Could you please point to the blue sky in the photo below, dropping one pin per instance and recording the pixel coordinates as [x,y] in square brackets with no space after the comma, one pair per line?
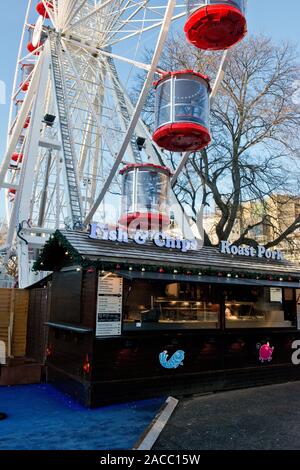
[274,18]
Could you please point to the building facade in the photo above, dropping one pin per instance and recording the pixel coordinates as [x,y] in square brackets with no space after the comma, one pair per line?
[268,219]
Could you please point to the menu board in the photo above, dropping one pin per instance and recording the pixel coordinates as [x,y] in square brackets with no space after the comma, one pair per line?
[275,294]
[109,306]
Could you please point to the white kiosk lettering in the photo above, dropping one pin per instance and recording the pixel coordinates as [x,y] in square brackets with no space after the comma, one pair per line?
[259,252]
[160,239]
[296,354]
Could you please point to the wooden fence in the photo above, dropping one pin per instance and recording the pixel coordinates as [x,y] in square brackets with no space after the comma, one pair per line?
[13,320]
[37,333]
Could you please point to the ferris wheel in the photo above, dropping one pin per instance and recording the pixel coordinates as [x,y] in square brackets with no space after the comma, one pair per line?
[72,122]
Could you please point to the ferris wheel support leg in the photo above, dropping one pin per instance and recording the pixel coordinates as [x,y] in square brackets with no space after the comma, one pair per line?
[97,154]
[125,116]
[74,199]
[44,196]
[23,264]
[27,180]
[32,142]
[20,123]
[14,217]
[180,167]
[141,101]
[221,73]
[57,191]
[87,138]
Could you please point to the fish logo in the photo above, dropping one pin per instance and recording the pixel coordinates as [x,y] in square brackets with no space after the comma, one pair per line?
[174,361]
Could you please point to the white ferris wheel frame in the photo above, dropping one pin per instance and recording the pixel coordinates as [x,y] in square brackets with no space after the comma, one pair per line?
[34,237]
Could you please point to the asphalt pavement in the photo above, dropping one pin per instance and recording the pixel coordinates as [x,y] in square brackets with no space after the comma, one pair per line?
[261,418]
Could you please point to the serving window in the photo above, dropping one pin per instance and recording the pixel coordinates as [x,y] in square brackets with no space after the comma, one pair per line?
[155,305]
[259,307]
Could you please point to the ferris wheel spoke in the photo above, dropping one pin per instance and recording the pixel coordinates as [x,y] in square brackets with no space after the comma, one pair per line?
[138,108]
[52,13]
[89,15]
[94,50]
[90,106]
[153,15]
[130,19]
[136,25]
[61,8]
[158,24]
[137,64]
[119,20]
[72,10]
[55,11]
[31,56]
[88,145]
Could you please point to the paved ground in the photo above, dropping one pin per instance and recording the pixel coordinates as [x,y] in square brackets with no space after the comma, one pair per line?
[263,418]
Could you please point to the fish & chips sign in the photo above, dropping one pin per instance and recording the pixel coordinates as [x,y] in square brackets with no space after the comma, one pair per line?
[141,237]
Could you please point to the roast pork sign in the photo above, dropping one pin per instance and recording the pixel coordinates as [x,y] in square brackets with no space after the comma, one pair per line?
[249,251]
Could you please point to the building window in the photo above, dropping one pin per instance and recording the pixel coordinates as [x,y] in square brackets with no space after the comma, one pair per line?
[259,307]
[155,305]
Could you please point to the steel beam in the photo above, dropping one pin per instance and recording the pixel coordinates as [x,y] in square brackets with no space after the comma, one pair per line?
[141,101]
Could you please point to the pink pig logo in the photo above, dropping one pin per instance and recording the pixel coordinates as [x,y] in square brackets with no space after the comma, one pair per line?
[266,352]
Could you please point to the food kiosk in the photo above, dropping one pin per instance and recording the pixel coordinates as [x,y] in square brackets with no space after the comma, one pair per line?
[147,315]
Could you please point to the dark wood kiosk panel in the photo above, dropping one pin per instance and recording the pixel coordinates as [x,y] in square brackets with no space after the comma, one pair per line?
[132,320]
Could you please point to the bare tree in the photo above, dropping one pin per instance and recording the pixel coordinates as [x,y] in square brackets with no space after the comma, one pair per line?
[3,230]
[255,137]
[11,266]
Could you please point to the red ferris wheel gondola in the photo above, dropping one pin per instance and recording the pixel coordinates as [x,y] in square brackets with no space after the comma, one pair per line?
[37,37]
[26,72]
[12,193]
[17,157]
[215,24]
[41,9]
[18,104]
[182,111]
[145,197]
[27,122]
[33,49]
[25,85]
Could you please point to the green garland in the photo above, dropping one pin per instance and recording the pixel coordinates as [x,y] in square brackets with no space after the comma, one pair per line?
[64,254]
[161,269]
